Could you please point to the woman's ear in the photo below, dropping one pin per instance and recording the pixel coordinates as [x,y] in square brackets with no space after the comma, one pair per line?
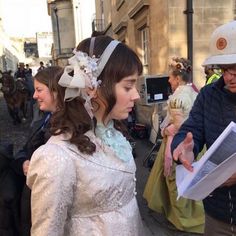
[179,79]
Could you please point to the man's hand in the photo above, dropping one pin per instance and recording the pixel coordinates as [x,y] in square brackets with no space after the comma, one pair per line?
[25,167]
[184,152]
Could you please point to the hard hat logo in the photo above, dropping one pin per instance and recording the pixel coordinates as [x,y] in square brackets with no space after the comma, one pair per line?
[222,46]
[221,43]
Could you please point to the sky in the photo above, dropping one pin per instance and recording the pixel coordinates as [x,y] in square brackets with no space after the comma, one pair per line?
[23,18]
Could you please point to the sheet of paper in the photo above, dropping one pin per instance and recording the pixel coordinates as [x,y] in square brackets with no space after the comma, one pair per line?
[212,170]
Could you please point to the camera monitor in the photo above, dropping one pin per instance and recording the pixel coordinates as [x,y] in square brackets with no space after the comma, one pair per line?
[157,88]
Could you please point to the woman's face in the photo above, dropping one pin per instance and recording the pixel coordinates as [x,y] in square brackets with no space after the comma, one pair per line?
[46,100]
[126,94]
[174,82]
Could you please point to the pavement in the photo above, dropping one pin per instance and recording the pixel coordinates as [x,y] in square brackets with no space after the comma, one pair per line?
[154,223]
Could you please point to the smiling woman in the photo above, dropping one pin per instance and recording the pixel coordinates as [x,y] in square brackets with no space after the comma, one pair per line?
[160,190]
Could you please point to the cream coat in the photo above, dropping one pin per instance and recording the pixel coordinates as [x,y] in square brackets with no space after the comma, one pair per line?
[74,194]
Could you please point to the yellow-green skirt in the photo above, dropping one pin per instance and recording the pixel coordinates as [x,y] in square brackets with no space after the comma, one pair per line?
[161,193]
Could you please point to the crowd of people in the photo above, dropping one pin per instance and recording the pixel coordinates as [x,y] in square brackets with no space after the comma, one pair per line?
[212,111]
[76,172]
[25,73]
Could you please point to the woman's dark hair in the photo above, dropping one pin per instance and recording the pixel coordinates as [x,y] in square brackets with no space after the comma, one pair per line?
[72,117]
[123,62]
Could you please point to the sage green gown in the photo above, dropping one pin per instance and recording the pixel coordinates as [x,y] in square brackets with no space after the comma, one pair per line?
[161,194]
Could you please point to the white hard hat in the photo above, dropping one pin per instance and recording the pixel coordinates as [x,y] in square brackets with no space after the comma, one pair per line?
[223,45]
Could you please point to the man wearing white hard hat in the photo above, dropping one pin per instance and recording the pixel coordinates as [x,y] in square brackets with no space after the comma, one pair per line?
[213,110]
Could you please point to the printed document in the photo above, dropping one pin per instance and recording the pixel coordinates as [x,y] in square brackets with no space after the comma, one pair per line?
[216,166]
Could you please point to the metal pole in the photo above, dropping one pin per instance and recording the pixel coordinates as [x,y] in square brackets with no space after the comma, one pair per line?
[58,31]
[189,12]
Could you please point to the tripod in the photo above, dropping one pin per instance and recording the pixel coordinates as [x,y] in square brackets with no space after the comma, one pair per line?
[157,112]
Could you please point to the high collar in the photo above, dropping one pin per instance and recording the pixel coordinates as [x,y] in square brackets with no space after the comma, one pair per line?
[103,156]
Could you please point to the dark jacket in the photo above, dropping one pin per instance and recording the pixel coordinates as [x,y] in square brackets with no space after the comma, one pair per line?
[38,136]
[213,110]
[20,73]
[10,192]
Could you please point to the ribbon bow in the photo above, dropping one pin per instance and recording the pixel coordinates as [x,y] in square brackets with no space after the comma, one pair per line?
[85,70]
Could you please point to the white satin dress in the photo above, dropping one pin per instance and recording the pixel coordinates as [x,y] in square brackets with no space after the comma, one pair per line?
[75,194]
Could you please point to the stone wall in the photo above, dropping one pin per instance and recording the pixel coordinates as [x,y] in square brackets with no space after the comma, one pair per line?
[167,31]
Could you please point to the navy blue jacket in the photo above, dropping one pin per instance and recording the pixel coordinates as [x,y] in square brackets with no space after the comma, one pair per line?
[213,110]
[10,192]
[38,136]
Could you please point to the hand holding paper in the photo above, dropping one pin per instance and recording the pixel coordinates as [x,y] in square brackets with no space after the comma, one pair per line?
[184,152]
[215,169]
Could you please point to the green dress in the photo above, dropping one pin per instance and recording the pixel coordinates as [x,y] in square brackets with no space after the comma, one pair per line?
[161,195]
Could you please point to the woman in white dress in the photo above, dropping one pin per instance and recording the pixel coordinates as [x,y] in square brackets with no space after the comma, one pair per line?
[83,178]
[160,190]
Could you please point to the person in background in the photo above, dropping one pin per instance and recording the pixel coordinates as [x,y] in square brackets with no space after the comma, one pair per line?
[46,86]
[20,73]
[83,178]
[29,82]
[212,74]
[28,71]
[213,110]
[25,76]
[160,190]
[10,192]
[41,67]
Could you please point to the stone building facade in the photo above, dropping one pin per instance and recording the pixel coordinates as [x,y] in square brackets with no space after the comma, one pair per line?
[71,22]
[160,29]
[155,29]
[10,51]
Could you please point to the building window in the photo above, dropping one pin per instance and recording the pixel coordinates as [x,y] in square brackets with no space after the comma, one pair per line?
[144,43]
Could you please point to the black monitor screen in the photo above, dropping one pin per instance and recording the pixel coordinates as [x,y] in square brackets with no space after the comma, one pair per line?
[158,89]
